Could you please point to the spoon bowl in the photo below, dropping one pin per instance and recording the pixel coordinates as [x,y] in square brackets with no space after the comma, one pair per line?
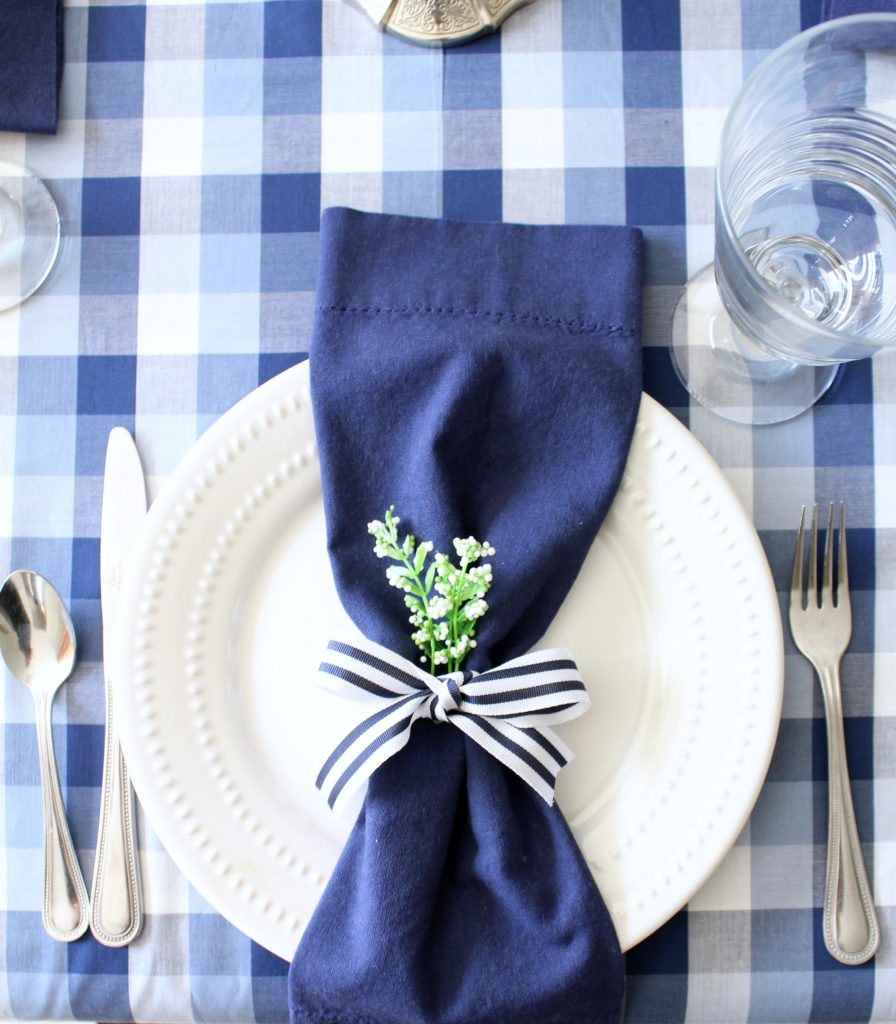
[37,637]
[37,641]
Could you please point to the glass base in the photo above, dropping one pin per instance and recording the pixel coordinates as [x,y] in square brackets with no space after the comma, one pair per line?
[29,234]
[729,374]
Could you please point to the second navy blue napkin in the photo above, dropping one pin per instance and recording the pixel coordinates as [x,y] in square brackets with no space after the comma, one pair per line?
[30,64]
[842,8]
[484,378]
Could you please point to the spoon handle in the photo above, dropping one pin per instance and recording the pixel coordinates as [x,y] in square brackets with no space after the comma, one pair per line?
[65,894]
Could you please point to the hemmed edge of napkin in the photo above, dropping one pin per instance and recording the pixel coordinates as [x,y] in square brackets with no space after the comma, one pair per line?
[361,251]
[320,1015]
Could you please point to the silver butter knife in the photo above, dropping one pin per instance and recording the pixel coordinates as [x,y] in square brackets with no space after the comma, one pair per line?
[116,902]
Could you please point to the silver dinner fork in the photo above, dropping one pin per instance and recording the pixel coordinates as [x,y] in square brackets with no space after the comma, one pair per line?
[822,626]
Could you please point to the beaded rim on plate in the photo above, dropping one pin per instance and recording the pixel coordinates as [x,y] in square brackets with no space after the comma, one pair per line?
[266,875]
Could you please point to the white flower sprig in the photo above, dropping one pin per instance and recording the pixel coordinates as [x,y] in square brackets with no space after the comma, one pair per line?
[446,601]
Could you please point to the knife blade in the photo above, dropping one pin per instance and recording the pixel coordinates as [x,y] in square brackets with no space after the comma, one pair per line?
[116,902]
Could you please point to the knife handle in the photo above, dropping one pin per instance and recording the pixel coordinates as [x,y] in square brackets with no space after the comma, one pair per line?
[116,902]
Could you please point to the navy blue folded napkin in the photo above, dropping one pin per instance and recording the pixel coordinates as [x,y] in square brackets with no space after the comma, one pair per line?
[30,64]
[842,8]
[484,378]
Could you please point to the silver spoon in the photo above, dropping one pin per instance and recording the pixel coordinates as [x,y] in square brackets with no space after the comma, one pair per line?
[37,641]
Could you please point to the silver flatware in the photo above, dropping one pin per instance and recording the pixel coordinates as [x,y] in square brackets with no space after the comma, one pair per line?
[116,901]
[37,640]
[821,625]
[439,22]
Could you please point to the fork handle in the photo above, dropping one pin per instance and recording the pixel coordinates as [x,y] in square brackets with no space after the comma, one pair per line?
[851,932]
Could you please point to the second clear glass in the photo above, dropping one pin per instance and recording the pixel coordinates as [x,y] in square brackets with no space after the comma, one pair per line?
[804,273]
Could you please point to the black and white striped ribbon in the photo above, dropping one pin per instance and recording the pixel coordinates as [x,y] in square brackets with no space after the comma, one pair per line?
[506,710]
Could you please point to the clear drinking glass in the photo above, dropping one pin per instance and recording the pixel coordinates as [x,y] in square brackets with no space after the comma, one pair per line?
[804,273]
[29,233]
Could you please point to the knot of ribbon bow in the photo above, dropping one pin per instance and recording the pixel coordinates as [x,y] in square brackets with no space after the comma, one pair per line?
[506,710]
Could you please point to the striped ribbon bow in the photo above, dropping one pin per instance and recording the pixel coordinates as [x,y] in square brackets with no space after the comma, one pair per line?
[506,710]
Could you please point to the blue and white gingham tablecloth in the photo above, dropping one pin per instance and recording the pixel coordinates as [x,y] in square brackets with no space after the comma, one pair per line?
[198,142]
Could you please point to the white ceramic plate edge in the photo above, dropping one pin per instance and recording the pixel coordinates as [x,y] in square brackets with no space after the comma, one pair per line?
[255,408]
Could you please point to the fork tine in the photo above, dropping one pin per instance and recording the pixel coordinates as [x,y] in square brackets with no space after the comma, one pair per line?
[812,587]
[827,585]
[796,578]
[842,575]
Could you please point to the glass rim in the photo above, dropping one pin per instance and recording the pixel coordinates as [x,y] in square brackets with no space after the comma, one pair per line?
[26,178]
[797,42]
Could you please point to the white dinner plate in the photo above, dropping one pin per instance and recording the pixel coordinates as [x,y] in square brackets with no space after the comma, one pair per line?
[229,603]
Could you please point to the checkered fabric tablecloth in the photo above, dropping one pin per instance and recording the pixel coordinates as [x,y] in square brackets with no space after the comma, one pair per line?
[197,144]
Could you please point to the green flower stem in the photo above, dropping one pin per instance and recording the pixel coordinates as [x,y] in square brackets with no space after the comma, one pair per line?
[455,610]
[424,597]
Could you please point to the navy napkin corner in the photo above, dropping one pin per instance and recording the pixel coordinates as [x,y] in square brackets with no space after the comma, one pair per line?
[831,9]
[484,378]
[31,56]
